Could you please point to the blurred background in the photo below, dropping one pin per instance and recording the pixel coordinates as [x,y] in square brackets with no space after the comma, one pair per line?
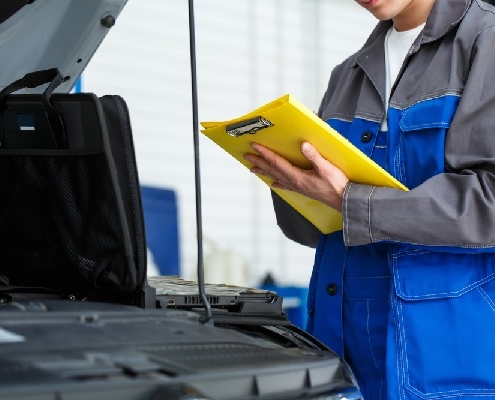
[249,52]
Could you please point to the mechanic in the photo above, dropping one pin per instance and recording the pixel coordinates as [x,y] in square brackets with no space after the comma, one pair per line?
[405,292]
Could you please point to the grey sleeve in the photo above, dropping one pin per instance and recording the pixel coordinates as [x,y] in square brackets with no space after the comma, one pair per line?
[293,224]
[456,208]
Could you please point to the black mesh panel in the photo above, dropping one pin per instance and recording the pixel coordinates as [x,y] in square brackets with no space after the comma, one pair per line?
[58,225]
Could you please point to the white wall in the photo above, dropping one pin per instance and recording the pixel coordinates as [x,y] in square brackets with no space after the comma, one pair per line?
[248,53]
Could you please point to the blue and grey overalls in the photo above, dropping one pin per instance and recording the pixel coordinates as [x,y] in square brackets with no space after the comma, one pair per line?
[406,291]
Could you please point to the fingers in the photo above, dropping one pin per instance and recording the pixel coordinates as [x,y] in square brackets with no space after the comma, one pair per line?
[324,181]
[271,165]
[273,159]
[266,160]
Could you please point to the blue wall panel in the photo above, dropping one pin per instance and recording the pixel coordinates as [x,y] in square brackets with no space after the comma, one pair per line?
[162,230]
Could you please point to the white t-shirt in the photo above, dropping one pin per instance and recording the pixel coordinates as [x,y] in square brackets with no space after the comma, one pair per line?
[397,45]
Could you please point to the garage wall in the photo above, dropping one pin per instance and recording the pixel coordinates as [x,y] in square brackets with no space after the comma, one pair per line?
[248,53]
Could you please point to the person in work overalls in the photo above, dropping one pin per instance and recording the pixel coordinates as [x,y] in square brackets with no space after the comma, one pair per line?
[405,292]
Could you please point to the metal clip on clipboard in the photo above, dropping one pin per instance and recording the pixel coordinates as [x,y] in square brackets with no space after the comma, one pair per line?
[248,126]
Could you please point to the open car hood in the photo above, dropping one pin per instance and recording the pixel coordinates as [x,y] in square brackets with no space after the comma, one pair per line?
[42,34]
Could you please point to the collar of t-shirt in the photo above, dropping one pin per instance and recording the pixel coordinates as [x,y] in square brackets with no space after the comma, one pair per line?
[397,45]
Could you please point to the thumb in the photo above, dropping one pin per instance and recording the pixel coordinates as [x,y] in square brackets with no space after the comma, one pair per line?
[310,152]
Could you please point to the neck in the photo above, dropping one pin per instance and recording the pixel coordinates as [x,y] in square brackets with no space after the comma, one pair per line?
[415,14]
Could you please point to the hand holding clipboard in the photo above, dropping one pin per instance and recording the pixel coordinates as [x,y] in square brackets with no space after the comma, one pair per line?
[282,126]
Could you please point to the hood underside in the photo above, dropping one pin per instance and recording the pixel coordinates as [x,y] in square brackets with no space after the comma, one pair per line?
[41,34]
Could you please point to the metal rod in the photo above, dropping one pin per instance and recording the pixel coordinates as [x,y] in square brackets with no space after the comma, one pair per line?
[201,284]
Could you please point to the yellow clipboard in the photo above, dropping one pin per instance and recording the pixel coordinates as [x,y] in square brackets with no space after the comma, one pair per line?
[282,125]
